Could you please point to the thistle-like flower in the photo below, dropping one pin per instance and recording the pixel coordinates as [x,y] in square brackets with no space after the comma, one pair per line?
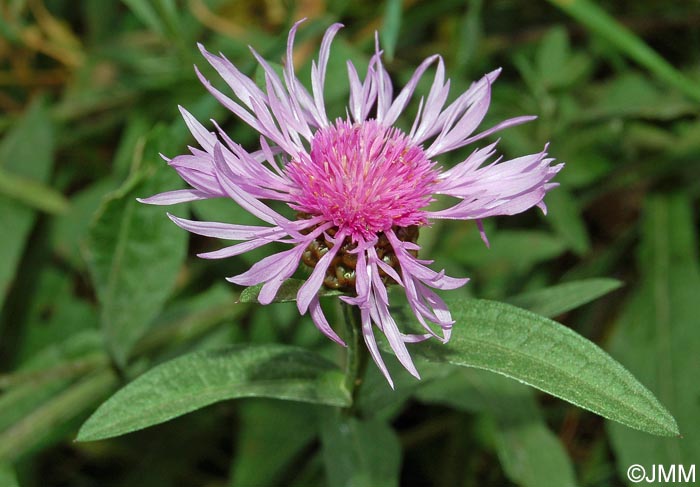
[358,187]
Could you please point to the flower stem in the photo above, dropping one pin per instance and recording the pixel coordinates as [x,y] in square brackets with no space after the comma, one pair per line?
[356,355]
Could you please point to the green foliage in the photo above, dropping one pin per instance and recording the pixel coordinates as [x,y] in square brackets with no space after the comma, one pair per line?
[33,163]
[530,453]
[134,253]
[659,318]
[555,300]
[196,380]
[360,452]
[103,300]
[265,449]
[541,353]
[7,476]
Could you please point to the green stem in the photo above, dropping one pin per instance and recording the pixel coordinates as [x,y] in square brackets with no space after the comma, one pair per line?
[356,355]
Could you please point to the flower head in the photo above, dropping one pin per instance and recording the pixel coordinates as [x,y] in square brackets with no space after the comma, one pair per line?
[358,188]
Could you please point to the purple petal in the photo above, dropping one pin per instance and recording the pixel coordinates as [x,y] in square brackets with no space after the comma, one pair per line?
[321,322]
[174,197]
[308,290]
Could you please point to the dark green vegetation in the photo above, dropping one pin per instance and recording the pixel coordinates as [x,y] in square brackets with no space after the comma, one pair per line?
[98,291]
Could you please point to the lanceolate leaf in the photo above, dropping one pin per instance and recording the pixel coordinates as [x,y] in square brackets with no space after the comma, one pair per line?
[549,356]
[658,336]
[531,455]
[359,453]
[27,152]
[266,449]
[135,252]
[555,300]
[193,381]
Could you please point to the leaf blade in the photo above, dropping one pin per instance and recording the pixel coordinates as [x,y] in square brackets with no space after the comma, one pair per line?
[24,160]
[530,453]
[202,378]
[550,357]
[358,453]
[135,253]
[657,332]
[558,299]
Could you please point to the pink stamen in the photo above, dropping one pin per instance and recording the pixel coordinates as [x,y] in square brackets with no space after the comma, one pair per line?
[363,177]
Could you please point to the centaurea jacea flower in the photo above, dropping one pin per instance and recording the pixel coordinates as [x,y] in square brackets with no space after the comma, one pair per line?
[358,188]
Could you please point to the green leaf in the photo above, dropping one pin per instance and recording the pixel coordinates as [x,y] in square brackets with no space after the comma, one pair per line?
[359,453]
[26,152]
[469,35]
[390,27]
[565,217]
[46,374]
[32,193]
[530,453]
[600,22]
[556,66]
[265,449]
[146,13]
[546,355]
[43,422]
[516,250]
[658,336]
[68,315]
[287,292]
[69,230]
[135,252]
[7,476]
[195,380]
[558,299]
[43,397]
[552,56]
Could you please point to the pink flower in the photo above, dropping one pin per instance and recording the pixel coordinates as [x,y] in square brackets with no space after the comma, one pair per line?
[359,187]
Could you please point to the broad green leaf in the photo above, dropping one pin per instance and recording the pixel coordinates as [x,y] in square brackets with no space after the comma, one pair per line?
[359,453]
[25,152]
[199,379]
[287,292]
[658,336]
[530,453]
[265,448]
[558,299]
[7,476]
[69,230]
[135,252]
[42,423]
[546,355]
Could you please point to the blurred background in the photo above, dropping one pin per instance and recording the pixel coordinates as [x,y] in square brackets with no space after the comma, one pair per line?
[88,98]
